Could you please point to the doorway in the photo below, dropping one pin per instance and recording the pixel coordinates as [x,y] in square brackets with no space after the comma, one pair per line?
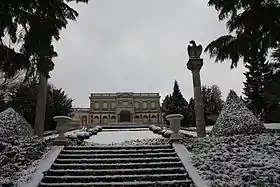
[124,116]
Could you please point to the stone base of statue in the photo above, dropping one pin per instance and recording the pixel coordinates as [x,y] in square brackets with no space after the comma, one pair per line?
[175,138]
[59,141]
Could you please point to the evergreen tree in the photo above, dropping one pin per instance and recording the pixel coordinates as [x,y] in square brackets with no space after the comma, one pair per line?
[258,72]
[3,104]
[166,105]
[176,104]
[253,27]
[31,25]
[23,100]
[272,94]
[178,101]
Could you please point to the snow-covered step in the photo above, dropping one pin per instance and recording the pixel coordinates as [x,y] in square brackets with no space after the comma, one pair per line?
[132,155]
[173,183]
[117,166]
[134,171]
[114,160]
[114,178]
[128,151]
[117,147]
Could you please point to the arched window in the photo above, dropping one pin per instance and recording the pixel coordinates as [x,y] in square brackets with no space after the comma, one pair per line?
[136,118]
[154,119]
[105,119]
[145,119]
[96,119]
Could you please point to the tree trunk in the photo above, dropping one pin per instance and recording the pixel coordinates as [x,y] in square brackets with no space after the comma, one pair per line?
[41,106]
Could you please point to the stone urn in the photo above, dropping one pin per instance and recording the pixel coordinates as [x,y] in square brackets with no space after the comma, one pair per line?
[175,125]
[62,127]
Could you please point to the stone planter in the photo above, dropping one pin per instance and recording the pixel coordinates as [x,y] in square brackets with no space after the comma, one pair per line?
[175,125]
[62,127]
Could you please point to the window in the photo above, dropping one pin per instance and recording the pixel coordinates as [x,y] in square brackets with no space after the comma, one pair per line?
[153,105]
[96,105]
[154,119]
[145,119]
[137,105]
[145,106]
[84,119]
[105,105]
[113,105]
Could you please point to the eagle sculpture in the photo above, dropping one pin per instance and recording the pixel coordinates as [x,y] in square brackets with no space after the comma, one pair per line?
[194,51]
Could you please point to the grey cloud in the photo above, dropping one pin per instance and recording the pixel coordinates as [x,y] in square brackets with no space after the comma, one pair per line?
[140,46]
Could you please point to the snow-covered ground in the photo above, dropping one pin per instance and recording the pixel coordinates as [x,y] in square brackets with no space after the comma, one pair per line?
[56,135]
[241,160]
[192,133]
[267,125]
[272,125]
[34,173]
[130,129]
[110,137]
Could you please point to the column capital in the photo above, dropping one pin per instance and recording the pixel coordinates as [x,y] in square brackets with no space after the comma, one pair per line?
[195,64]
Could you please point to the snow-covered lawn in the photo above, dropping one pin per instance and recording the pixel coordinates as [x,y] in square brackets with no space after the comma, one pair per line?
[34,173]
[130,129]
[110,137]
[267,125]
[52,136]
[237,160]
[192,133]
[272,125]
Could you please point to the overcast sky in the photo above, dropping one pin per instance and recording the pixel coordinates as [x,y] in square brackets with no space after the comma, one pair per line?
[138,46]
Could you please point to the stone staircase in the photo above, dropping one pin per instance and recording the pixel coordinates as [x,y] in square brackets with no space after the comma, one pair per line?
[117,166]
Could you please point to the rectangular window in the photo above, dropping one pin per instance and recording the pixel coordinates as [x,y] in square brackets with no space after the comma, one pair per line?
[153,105]
[145,106]
[96,105]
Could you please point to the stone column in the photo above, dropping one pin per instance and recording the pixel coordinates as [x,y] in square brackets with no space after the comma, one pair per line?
[194,64]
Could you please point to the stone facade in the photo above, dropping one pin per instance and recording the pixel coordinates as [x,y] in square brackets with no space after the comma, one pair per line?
[124,107]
